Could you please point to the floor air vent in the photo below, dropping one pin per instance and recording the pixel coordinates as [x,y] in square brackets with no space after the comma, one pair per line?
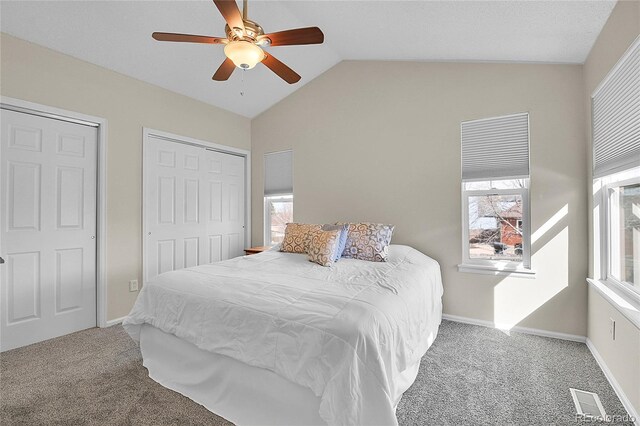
[587,403]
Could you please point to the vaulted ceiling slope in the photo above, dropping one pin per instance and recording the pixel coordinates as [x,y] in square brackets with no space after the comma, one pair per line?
[117,35]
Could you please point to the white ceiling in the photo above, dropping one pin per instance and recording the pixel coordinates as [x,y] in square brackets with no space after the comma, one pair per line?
[117,35]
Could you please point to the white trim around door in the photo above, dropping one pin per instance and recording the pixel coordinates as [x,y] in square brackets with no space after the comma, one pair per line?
[32,108]
[148,133]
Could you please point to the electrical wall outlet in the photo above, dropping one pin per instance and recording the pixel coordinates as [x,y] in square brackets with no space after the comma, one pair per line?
[133,285]
[612,328]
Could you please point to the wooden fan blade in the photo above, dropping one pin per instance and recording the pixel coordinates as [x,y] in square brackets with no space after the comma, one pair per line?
[311,35]
[283,71]
[231,13]
[224,72]
[188,38]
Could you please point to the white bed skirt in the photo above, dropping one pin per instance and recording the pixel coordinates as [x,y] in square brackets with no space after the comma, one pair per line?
[240,393]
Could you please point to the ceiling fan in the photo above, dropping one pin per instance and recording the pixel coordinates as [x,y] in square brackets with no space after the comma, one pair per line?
[245,41]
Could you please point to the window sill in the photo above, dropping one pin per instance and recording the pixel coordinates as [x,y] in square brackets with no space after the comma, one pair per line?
[620,298]
[496,270]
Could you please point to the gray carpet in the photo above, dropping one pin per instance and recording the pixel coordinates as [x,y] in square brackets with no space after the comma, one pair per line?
[479,376]
[471,376]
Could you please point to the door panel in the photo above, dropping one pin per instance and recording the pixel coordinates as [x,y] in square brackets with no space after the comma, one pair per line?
[72,145]
[191,249]
[68,279]
[233,245]
[215,201]
[194,206]
[24,137]
[166,256]
[191,162]
[167,200]
[23,296]
[191,200]
[47,228]
[70,191]
[215,248]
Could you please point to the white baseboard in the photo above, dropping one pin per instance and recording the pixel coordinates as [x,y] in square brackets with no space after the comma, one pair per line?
[613,382]
[517,329]
[114,321]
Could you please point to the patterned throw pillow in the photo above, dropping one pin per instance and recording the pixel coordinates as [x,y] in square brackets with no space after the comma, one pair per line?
[296,237]
[368,241]
[323,246]
[344,231]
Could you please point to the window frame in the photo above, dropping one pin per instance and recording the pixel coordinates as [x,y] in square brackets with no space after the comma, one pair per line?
[267,215]
[498,267]
[607,194]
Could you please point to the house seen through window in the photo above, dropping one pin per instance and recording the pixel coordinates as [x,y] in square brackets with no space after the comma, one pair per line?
[495,218]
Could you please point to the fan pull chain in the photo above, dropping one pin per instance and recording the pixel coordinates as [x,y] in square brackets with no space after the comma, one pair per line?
[242,83]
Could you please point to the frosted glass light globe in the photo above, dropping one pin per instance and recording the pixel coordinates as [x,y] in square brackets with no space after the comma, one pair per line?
[244,54]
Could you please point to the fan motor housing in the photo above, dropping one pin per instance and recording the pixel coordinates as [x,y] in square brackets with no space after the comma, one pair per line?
[251,33]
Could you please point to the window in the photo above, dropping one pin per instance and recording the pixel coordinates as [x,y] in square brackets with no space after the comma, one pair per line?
[616,171]
[495,213]
[278,195]
[621,195]
[495,195]
[278,211]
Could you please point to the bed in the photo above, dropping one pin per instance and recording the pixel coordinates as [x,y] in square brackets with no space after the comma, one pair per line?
[272,338]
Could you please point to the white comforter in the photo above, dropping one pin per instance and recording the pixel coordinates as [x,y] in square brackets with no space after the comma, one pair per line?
[346,332]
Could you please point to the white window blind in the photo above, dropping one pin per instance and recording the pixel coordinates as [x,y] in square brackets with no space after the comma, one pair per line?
[616,116]
[495,148]
[278,173]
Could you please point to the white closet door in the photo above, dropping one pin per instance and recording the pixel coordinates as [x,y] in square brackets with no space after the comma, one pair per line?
[48,228]
[194,206]
[225,209]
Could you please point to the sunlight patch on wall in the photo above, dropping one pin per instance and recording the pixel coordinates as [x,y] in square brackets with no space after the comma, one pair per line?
[516,298]
[554,220]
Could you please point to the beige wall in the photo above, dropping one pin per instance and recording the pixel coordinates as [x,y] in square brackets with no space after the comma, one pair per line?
[622,355]
[33,73]
[380,141]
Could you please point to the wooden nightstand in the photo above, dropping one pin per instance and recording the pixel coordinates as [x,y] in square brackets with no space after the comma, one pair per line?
[254,250]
